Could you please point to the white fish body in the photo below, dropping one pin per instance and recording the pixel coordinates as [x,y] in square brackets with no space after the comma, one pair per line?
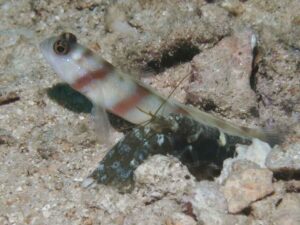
[121,94]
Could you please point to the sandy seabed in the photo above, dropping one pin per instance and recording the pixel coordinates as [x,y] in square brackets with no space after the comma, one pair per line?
[47,150]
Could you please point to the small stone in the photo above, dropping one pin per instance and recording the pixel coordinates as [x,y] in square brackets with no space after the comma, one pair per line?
[207,203]
[293,186]
[180,219]
[264,209]
[58,184]
[6,137]
[4,220]
[284,159]
[246,186]
[288,209]
[112,202]
[248,156]
[155,213]
[234,164]
[205,195]
[160,175]
[7,98]
[87,221]
[46,153]
[256,152]
[235,7]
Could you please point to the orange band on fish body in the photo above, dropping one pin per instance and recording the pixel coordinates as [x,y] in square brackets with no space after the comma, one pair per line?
[181,111]
[85,80]
[132,101]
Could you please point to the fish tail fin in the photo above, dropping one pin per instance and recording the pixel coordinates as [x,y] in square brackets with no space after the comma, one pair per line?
[275,136]
[272,137]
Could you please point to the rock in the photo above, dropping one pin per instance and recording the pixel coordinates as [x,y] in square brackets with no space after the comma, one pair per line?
[248,157]
[280,208]
[207,195]
[6,137]
[155,213]
[264,208]
[151,38]
[180,219]
[235,7]
[284,159]
[292,186]
[256,152]
[251,156]
[207,202]
[246,186]
[274,20]
[227,168]
[106,200]
[279,88]
[209,205]
[287,212]
[221,77]
[172,80]
[162,175]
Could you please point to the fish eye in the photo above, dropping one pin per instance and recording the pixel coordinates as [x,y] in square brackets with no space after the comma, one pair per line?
[61,47]
[63,44]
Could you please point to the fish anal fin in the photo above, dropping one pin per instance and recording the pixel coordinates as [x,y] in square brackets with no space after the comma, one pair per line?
[102,126]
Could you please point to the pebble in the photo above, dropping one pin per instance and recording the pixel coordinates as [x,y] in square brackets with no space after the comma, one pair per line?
[285,159]
[246,186]
[160,175]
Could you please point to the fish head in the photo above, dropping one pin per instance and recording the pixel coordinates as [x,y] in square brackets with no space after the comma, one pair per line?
[67,57]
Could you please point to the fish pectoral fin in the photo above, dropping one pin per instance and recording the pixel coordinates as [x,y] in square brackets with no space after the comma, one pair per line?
[102,126]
